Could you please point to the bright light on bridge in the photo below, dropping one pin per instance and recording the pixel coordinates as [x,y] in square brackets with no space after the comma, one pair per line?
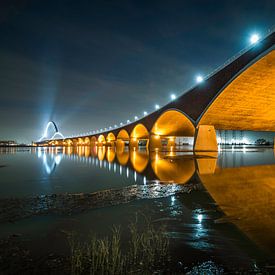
[136,118]
[156,106]
[199,78]
[173,96]
[128,121]
[254,38]
[145,113]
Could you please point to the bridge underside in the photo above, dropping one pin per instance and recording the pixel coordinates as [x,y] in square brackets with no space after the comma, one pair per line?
[248,102]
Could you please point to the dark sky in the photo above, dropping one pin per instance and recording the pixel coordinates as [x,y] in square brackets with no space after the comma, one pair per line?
[91,64]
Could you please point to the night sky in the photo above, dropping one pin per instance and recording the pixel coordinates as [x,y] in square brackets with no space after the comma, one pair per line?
[91,64]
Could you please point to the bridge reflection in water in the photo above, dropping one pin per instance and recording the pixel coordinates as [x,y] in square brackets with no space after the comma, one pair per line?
[245,194]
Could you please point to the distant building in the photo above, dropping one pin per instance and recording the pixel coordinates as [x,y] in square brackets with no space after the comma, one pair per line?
[7,143]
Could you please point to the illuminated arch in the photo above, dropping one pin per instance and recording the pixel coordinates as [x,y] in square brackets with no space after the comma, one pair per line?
[111,137]
[80,141]
[123,134]
[87,141]
[140,132]
[248,101]
[68,142]
[170,125]
[173,123]
[121,138]
[174,169]
[101,140]
[57,133]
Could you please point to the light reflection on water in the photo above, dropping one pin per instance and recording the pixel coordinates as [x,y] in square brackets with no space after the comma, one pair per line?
[241,182]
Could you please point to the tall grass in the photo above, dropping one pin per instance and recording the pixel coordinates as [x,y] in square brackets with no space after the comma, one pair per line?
[146,251]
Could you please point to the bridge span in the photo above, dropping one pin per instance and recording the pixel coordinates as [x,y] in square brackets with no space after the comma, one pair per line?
[239,96]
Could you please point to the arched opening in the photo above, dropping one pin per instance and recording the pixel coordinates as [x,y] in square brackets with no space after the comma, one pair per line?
[122,140]
[139,159]
[172,168]
[68,142]
[110,139]
[244,111]
[172,131]
[101,140]
[139,137]
[87,141]
[80,142]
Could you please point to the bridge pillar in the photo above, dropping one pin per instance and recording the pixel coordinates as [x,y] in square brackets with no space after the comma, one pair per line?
[155,142]
[134,143]
[205,138]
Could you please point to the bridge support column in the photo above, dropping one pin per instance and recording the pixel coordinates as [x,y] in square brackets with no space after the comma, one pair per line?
[205,138]
[133,143]
[155,142]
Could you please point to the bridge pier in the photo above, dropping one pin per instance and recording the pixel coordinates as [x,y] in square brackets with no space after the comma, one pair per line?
[205,138]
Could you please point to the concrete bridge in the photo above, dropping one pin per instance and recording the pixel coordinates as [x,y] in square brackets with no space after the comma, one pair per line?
[239,96]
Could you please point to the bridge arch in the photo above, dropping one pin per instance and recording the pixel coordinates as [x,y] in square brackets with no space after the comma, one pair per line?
[101,140]
[80,141]
[69,142]
[171,126]
[122,138]
[110,139]
[57,133]
[139,136]
[87,141]
[247,101]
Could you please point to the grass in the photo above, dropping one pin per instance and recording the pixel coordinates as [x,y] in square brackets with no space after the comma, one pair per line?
[146,251]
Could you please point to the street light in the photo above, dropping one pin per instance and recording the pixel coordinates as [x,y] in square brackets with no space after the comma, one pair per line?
[254,38]
[173,96]
[136,118]
[199,78]
[156,106]
[145,113]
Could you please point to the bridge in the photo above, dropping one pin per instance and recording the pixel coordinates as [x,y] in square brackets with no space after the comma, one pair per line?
[238,96]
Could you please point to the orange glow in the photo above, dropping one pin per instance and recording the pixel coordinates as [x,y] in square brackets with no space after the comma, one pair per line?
[87,141]
[110,154]
[177,169]
[248,102]
[111,137]
[101,152]
[173,123]
[139,160]
[247,198]
[123,157]
[140,132]
[123,135]
[101,140]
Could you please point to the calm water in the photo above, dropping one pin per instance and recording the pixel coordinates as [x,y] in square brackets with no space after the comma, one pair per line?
[229,220]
